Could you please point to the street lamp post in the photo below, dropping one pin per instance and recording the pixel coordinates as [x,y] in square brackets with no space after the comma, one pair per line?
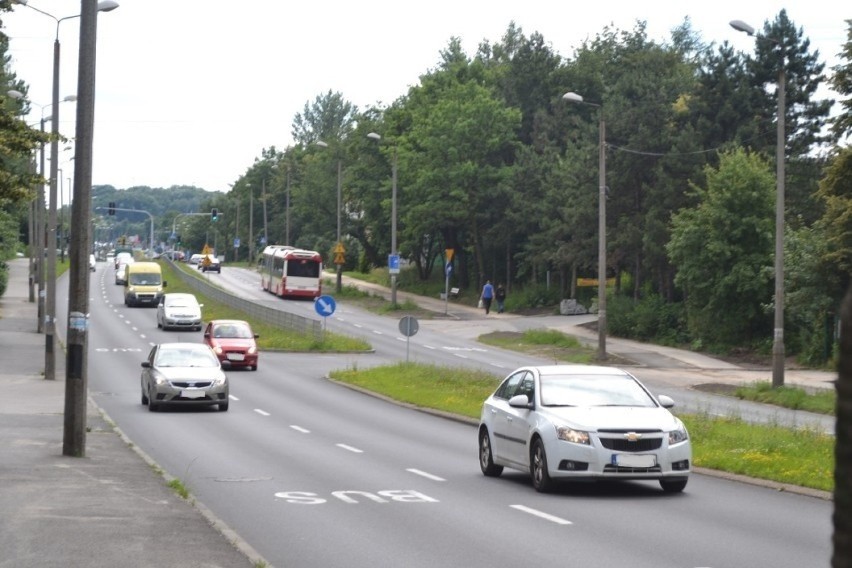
[778,354]
[394,253]
[577,99]
[339,245]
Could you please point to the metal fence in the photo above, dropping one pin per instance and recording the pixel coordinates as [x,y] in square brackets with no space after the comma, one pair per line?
[260,312]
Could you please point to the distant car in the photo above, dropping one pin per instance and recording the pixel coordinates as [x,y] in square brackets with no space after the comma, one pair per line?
[121,274]
[233,341]
[210,263]
[92,263]
[584,423]
[183,373]
[179,310]
[124,257]
[195,259]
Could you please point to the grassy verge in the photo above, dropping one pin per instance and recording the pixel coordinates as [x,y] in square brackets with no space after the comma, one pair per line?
[797,457]
[822,402]
[271,337]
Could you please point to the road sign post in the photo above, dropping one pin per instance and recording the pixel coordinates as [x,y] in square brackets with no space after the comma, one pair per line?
[408,326]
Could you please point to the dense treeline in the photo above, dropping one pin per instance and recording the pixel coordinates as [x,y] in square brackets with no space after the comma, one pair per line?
[492,162]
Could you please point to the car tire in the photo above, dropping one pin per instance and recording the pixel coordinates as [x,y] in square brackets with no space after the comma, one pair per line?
[673,485]
[152,406]
[486,457]
[144,397]
[223,406]
[254,367]
[538,468]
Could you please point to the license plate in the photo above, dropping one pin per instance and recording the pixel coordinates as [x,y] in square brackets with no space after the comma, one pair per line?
[236,357]
[192,393]
[631,460]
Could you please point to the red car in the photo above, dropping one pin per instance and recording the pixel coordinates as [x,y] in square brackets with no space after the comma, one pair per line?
[233,341]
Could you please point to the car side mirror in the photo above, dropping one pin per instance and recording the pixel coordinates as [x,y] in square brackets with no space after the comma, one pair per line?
[165,283]
[207,335]
[146,364]
[257,336]
[520,401]
[666,401]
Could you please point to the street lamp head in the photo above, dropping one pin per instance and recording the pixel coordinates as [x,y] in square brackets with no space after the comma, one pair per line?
[572,97]
[741,26]
[69,98]
[374,136]
[15,94]
[107,5]
[21,2]
[321,144]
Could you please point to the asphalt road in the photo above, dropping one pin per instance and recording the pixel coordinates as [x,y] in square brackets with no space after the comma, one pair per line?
[311,473]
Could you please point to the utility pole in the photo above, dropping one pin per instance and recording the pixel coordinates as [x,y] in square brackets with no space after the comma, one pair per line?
[76,368]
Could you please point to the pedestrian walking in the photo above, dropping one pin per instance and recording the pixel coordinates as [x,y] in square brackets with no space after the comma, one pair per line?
[487,296]
[500,296]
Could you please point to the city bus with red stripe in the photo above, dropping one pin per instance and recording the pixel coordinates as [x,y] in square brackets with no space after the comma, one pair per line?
[289,272]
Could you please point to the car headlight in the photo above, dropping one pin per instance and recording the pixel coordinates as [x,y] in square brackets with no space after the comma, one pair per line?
[159,380]
[219,381]
[571,435]
[217,349]
[678,435]
[252,350]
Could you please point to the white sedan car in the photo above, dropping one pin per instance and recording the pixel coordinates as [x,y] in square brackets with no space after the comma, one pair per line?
[585,423]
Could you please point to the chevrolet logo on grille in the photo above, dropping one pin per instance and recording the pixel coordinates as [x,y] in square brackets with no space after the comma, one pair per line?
[633,436]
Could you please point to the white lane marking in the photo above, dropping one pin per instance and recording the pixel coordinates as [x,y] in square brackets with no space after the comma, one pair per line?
[261,412]
[300,429]
[426,475]
[358,325]
[460,356]
[232,397]
[545,516]
[402,338]
[429,347]
[377,332]
[498,366]
[350,448]
[134,328]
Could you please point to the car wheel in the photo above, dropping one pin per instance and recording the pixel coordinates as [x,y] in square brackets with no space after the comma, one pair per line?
[673,485]
[144,397]
[538,468]
[223,407]
[254,367]
[486,458]
[152,406]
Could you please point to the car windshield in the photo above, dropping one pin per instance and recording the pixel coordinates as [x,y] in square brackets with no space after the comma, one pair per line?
[186,357]
[593,390]
[145,279]
[239,331]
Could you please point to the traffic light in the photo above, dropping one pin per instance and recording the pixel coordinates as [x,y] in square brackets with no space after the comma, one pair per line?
[214,214]
[112,207]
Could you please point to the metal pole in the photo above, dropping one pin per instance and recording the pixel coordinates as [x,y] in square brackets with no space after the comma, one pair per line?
[265,232]
[339,199]
[40,224]
[287,210]
[50,315]
[602,238]
[76,372]
[778,335]
[393,225]
[251,221]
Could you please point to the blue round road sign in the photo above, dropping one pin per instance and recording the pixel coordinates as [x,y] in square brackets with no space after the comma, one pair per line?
[325,305]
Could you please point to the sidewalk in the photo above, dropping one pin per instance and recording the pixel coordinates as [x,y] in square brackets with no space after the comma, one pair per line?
[107,509]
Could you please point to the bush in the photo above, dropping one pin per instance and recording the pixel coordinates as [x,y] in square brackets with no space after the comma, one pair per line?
[648,319]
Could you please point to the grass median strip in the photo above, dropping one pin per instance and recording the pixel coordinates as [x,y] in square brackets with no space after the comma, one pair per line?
[803,457]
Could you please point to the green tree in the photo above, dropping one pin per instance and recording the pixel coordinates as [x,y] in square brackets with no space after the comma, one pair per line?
[835,191]
[841,81]
[722,250]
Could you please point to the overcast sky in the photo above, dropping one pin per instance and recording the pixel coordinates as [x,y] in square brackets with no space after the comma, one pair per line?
[190,91]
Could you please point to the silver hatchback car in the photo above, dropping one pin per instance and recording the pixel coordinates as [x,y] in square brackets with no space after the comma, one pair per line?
[183,373]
